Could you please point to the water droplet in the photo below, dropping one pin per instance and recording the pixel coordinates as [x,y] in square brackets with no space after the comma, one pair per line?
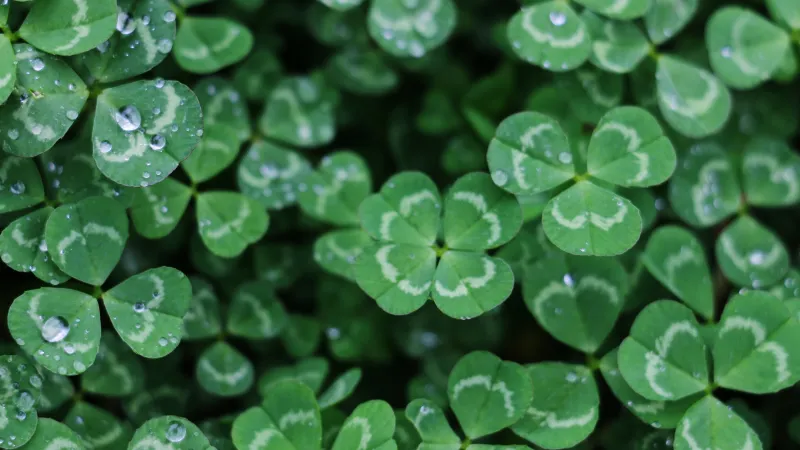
[162,342]
[128,118]
[37,64]
[36,381]
[568,280]
[25,401]
[176,432]
[79,366]
[13,134]
[104,147]
[55,329]
[565,157]
[158,142]
[164,45]
[72,114]
[160,83]
[139,307]
[169,16]
[571,377]
[18,188]
[557,18]
[726,52]
[756,257]
[125,23]
[146,20]
[500,177]
[69,349]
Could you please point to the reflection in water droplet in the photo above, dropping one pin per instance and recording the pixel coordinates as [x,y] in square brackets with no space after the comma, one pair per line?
[169,16]
[176,432]
[17,188]
[128,118]
[164,45]
[139,307]
[158,142]
[104,147]
[557,18]
[37,64]
[55,329]
[125,23]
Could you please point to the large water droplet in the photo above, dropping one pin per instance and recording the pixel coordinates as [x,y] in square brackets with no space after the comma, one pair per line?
[175,432]
[128,118]
[104,147]
[25,401]
[557,18]
[125,23]
[55,329]
[157,142]
[37,64]
[169,16]
[72,114]
[18,188]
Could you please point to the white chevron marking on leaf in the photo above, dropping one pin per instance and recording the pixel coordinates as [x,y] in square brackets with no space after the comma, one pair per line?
[551,420]
[478,201]
[295,417]
[466,283]
[547,38]
[655,361]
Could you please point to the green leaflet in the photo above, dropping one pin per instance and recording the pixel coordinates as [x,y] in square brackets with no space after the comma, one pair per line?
[229,222]
[550,35]
[147,310]
[167,430]
[157,209]
[595,92]
[98,427]
[69,27]
[271,174]
[258,74]
[255,312]
[405,435]
[664,358]
[488,394]
[431,424]
[310,371]
[280,264]
[624,10]
[202,320]
[413,29]
[666,19]
[753,351]
[692,100]
[116,371]
[576,299]
[785,12]
[216,151]
[334,192]
[48,431]
[206,45]
[20,183]
[528,247]
[336,251]
[617,47]
[8,69]
[143,38]
[301,335]
[56,389]
[370,427]
[744,48]
[21,387]
[750,254]
[340,389]
[81,178]
[567,408]
[289,419]
[143,130]
[40,111]
[529,154]
[770,173]
[86,239]
[590,220]
[711,424]
[704,189]
[24,249]
[361,71]
[300,112]
[223,371]
[468,284]
[676,258]
[659,413]
[60,328]
[224,106]
[629,148]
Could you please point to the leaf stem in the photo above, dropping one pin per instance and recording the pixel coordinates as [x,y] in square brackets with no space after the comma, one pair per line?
[13,37]
[97,293]
[467,442]
[592,362]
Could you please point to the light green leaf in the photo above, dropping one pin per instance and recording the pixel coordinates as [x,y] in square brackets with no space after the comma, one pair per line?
[589,220]
[301,336]
[405,435]
[337,251]
[116,372]
[49,431]
[369,427]
[692,100]
[704,189]
[147,310]
[745,49]
[786,12]
[144,35]
[223,371]
[24,249]
[69,27]
[398,276]
[478,215]
[255,312]
[334,192]
[576,299]
[361,71]
[229,222]
[770,173]
[629,148]
[300,112]
[60,328]
[168,432]
[750,254]
[675,257]
[665,19]
[405,211]
[157,209]
[271,174]
[202,320]
[86,239]
[310,371]
[616,9]
[20,183]
[711,424]
[468,284]
[663,414]
[8,69]
[206,45]
[789,288]
[216,151]
[432,425]
[288,419]
[411,28]
[488,394]
[550,35]
[143,130]
[20,388]
[664,358]
[258,74]
[340,389]
[617,47]
[40,111]
[755,347]
[529,154]
[97,427]
[223,106]
[567,411]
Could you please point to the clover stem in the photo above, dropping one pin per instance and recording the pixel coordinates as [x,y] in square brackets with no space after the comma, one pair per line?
[467,442]
[440,251]
[653,53]
[592,362]
[579,178]
[98,292]
[13,37]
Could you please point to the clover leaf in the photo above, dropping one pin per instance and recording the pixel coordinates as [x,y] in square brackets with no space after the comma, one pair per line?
[21,388]
[206,45]
[69,27]
[411,28]
[223,371]
[703,423]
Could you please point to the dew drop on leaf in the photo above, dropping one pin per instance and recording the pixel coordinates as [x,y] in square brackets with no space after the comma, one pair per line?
[55,329]
[557,18]
[139,307]
[125,23]
[25,401]
[158,142]
[128,118]
[37,64]
[176,432]
[105,147]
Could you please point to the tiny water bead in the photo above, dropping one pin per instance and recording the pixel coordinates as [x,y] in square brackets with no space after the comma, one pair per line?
[104,147]
[176,432]
[13,134]
[128,118]
[500,177]
[55,329]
